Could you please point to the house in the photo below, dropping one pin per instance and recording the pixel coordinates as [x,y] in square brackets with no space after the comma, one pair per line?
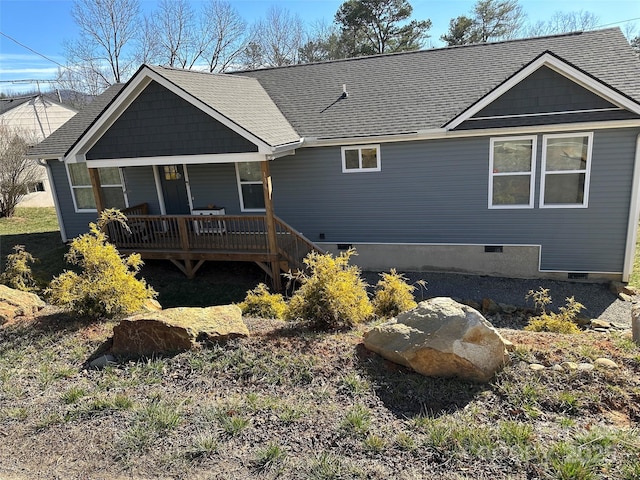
[36,117]
[518,158]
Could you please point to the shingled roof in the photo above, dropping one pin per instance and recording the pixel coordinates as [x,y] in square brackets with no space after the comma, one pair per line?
[387,94]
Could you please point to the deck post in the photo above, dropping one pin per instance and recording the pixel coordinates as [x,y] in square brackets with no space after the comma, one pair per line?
[94,176]
[267,189]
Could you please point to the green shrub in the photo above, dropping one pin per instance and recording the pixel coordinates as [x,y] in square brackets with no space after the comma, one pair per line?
[17,272]
[562,322]
[393,295]
[333,294]
[260,303]
[106,286]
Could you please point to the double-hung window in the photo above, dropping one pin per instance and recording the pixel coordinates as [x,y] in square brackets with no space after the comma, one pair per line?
[249,175]
[512,172]
[364,158]
[566,163]
[110,181]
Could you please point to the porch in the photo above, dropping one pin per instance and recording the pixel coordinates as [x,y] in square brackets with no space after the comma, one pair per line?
[190,240]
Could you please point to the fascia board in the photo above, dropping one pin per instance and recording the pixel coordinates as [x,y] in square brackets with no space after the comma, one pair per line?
[561,67]
[176,159]
[131,91]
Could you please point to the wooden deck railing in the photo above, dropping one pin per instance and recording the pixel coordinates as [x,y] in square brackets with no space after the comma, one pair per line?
[183,238]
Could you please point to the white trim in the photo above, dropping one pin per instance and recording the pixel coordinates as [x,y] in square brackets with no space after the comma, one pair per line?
[172,160]
[441,133]
[359,148]
[532,172]
[634,214]
[156,178]
[134,88]
[56,203]
[241,196]
[586,171]
[546,114]
[559,66]
[187,186]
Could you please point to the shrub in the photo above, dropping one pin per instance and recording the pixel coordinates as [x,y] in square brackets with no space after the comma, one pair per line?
[17,273]
[393,295]
[562,322]
[333,295]
[260,303]
[106,285]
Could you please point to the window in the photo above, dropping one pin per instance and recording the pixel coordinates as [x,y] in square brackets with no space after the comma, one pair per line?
[110,181]
[35,187]
[566,162]
[250,186]
[365,158]
[512,172]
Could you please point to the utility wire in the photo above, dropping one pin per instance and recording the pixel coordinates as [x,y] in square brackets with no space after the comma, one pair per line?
[616,23]
[31,50]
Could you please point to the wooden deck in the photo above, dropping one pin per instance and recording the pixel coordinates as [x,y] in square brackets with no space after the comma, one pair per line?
[190,240]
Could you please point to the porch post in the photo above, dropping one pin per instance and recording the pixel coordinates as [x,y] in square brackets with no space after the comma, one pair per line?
[97,191]
[267,189]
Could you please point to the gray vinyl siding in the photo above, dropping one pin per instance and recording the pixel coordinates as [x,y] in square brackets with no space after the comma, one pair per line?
[140,185]
[437,192]
[545,91]
[160,123]
[214,184]
[74,223]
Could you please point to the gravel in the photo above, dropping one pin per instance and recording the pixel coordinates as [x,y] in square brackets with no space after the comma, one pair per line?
[598,300]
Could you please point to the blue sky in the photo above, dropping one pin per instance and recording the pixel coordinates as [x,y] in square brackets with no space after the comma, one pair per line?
[44,25]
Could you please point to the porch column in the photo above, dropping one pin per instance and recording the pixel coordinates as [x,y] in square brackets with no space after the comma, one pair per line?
[97,191]
[267,189]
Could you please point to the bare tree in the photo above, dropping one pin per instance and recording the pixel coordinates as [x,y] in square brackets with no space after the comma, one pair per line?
[276,40]
[180,42]
[17,172]
[107,29]
[563,22]
[226,32]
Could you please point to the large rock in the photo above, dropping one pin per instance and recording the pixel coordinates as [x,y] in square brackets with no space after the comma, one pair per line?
[14,303]
[176,329]
[443,338]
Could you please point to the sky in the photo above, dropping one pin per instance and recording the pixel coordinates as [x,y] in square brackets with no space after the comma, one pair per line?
[44,25]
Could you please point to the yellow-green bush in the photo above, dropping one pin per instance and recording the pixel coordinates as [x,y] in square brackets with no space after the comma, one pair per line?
[562,322]
[259,302]
[17,272]
[107,285]
[393,295]
[333,295]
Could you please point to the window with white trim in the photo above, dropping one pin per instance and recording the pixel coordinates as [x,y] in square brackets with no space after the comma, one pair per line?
[566,164]
[249,175]
[512,172]
[363,158]
[110,182]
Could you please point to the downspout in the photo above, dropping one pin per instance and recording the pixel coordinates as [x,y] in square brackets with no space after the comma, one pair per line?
[54,194]
[634,214]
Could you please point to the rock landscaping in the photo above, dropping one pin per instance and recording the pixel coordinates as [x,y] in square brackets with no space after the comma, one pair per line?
[14,303]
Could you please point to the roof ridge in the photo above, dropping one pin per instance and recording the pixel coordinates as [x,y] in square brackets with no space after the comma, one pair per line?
[427,50]
[202,72]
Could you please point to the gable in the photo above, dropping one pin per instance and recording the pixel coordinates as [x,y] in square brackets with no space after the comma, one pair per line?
[542,98]
[160,123]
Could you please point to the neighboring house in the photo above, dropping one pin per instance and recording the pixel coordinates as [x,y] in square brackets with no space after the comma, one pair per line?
[517,158]
[36,117]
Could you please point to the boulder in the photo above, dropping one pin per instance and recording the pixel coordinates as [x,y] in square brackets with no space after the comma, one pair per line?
[176,329]
[14,303]
[443,338]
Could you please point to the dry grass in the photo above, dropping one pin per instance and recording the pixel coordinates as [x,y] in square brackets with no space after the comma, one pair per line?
[292,403]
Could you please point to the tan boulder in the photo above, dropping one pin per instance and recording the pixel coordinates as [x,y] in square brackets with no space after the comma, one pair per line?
[14,303]
[443,338]
[176,329]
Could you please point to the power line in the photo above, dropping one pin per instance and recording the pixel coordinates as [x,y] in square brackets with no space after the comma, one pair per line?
[32,50]
[616,23]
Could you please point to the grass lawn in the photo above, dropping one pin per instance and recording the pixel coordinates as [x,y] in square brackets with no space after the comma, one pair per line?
[292,403]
